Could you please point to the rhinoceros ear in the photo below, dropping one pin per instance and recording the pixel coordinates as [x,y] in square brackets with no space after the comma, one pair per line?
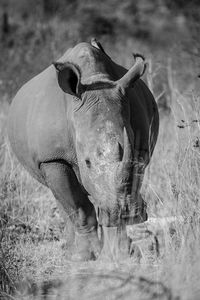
[134,73]
[69,78]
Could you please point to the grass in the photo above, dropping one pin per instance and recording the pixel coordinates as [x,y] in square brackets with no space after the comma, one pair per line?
[35,258]
[34,245]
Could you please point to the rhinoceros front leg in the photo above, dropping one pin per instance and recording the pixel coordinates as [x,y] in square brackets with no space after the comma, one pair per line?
[62,181]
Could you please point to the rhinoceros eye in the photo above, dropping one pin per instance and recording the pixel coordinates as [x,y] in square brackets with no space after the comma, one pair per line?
[88,163]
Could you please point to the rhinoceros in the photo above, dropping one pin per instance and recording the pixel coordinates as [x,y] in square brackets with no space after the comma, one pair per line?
[86,127]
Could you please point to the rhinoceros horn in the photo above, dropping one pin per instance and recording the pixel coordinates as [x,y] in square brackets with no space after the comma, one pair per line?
[127,156]
[123,170]
[134,73]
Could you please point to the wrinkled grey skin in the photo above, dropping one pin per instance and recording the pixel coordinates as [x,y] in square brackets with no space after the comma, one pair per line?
[87,130]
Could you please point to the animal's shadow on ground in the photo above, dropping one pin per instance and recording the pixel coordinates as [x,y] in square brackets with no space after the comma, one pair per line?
[92,281]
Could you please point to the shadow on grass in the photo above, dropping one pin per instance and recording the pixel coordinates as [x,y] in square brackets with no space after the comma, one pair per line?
[88,285]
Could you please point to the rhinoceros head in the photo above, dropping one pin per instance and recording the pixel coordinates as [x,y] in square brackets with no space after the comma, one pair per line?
[99,112]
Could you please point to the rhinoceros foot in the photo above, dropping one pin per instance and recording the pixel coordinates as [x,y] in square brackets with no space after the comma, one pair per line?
[87,247]
[115,244]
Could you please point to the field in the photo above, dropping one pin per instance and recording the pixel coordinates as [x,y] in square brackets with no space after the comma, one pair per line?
[35,250]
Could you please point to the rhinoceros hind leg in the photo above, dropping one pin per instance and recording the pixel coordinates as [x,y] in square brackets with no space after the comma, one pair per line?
[62,181]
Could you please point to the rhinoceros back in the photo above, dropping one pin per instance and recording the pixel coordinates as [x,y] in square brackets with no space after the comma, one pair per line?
[28,118]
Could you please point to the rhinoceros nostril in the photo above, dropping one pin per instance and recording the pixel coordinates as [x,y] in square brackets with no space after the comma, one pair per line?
[117,152]
[88,163]
[120,151]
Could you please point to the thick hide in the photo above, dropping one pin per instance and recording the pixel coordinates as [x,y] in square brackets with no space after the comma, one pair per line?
[86,128]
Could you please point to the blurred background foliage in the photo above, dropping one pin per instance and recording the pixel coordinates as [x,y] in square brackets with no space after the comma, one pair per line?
[33,33]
